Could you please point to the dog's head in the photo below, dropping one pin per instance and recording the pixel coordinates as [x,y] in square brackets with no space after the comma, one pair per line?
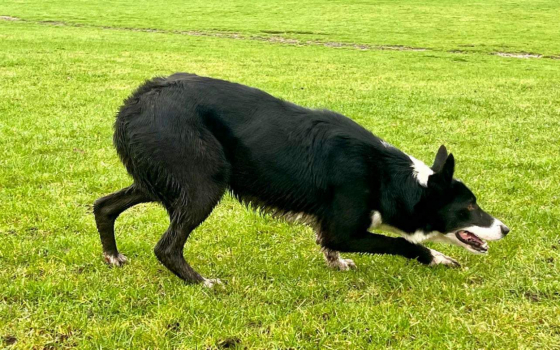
[450,209]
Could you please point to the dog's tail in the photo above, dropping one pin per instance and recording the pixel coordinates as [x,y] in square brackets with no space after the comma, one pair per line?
[131,117]
[130,110]
[148,142]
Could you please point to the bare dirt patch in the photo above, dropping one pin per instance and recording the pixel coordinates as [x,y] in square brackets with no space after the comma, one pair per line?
[274,38]
[9,340]
[56,23]
[290,32]
[8,18]
[365,46]
[518,54]
[401,48]
[233,35]
[277,39]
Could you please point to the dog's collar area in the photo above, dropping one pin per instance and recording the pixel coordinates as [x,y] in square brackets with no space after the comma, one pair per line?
[472,240]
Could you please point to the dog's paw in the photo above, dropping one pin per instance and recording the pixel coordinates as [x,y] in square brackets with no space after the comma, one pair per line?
[442,259]
[212,283]
[115,260]
[342,264]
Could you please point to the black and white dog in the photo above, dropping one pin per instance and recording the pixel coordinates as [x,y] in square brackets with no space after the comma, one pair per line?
[186,140]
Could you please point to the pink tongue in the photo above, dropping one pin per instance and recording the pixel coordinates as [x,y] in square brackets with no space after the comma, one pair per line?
[469,237]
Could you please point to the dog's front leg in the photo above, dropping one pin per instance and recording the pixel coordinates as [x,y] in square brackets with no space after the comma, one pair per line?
[442,259]
[335,261]
[333,258]
[372,243]
[347,232]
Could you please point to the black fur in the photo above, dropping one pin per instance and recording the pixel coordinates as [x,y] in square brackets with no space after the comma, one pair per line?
[187,139]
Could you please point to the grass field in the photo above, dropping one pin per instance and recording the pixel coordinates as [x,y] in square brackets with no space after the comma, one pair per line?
[66,66]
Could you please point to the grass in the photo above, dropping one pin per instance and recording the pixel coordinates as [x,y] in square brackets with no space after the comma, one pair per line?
[60,86]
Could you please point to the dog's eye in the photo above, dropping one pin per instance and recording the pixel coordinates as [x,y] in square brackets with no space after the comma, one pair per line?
[471,207]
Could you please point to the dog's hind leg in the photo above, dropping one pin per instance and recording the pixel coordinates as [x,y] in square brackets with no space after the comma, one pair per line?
[106,210]
[185,216]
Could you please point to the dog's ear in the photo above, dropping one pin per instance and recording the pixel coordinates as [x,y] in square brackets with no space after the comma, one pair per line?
[442,178]
[441,157]
[448,169]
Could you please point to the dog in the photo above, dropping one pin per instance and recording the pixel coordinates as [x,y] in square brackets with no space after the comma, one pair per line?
[186,140]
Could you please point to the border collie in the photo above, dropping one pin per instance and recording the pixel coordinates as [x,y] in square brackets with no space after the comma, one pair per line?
[186,140]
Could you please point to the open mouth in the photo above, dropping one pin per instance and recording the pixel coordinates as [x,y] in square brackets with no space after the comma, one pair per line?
[472,240]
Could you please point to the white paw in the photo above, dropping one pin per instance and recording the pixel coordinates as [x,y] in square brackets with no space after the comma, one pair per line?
[442,259]
[118,260]
[210,283]
[342,264]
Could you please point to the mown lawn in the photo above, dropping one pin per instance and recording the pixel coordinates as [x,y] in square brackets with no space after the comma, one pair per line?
[62,81]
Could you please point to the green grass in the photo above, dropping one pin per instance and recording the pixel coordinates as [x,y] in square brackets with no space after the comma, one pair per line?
[60,87]
[479,25]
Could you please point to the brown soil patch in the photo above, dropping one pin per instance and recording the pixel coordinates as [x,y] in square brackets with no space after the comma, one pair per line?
[8,18]
[274,38]
[518,54]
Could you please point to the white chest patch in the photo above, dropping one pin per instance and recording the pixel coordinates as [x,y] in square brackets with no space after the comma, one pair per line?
[416,237]
[420,236]
[421,171]
[376,219]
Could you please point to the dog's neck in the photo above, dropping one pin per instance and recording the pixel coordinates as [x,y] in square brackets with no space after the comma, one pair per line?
[407,185]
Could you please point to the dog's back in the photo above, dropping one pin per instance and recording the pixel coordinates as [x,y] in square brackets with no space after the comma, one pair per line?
[183,130]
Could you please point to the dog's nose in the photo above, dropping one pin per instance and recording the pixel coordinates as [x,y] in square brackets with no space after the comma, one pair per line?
[505,229]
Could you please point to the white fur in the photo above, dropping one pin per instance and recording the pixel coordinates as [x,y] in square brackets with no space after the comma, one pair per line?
[335,261]
[387,144]
[211,283]
[118,260]
[417,237]
[492,233]
[342,264]
[420,236]
[421,171]
[376,219]
[442,259]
